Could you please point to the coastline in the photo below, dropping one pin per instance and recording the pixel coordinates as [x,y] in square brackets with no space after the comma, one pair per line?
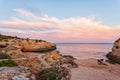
[17,52]
[91,70]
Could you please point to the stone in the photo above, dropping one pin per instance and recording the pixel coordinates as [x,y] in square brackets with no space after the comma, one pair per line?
[33,46]
[16,73]
[114,55]
[20,77]
[55,58]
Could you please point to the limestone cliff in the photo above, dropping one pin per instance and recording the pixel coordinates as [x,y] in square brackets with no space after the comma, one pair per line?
[16,46]
[114,55]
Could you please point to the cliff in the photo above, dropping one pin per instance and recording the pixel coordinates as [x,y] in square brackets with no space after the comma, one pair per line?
[41,65]
[15,46]
[114,55]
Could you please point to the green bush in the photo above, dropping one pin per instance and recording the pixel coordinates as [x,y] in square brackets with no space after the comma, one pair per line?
[54,73]
[7,63]
[47,74]
[4,37]
[4,56]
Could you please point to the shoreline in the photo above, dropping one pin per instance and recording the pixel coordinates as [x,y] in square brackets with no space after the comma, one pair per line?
[91,70]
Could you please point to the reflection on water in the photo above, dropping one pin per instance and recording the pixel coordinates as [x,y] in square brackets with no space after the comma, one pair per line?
[85,51]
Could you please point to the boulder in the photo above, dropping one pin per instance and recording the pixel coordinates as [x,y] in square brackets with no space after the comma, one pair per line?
[114,55]
[16,73]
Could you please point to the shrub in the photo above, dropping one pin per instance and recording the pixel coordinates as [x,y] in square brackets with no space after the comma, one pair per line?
[54,73]
[7,63]
[4,56]
[47,74]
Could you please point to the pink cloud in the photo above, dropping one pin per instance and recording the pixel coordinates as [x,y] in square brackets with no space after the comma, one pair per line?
[78,29]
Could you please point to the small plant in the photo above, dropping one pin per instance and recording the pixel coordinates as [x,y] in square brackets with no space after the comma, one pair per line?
[4,37]
[47,74]
[27,39]
[7,63]
[4,56]
[54,73]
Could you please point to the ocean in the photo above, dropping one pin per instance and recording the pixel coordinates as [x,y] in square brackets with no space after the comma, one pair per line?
[85,50]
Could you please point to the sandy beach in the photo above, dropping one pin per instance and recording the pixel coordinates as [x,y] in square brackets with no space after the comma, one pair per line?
[91,70]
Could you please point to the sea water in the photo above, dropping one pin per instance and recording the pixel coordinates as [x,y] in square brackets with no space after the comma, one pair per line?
[85,50]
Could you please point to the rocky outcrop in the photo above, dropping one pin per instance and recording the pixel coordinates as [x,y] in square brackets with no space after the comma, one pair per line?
[52,57]
[56,65]
[16,47]
[34,64]
[114,55]
[16,73]
[55,58]
[32,45]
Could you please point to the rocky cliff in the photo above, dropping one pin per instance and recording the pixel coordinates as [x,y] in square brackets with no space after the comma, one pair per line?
[16,46]
[114,55]
[43,66]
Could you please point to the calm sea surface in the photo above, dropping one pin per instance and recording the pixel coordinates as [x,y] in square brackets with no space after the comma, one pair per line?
[85,51]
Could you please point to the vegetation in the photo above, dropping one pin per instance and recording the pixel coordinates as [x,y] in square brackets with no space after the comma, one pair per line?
[54,73]
[4,37]
[7,63]
[47,74]
[4,56]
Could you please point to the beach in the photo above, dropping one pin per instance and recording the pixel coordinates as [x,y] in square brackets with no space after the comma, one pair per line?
[91,70]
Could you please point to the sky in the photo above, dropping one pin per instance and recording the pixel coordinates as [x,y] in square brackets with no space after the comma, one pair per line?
[62,21]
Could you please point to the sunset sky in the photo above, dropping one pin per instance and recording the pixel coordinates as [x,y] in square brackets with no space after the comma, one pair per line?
[61,21]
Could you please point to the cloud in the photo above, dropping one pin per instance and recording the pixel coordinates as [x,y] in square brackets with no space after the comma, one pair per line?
[80,29]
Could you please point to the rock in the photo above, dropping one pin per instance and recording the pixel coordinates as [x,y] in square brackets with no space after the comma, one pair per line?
[13,51]
[32,45]
[16,73]
[52,57]
[20,77]
[16,47]
[114,55]
[55,58]
[3,45]
[34,64]
[68,59]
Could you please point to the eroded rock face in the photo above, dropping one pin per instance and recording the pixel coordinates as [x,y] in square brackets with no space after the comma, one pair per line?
[52,57]
[32,45]
[16,73]
[114,55]
[34,64]
[15,47]
[55,58]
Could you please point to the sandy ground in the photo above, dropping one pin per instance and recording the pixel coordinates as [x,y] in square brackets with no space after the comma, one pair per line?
[91,70]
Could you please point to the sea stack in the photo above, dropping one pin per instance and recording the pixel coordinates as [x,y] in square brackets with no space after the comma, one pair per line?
[114,55]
